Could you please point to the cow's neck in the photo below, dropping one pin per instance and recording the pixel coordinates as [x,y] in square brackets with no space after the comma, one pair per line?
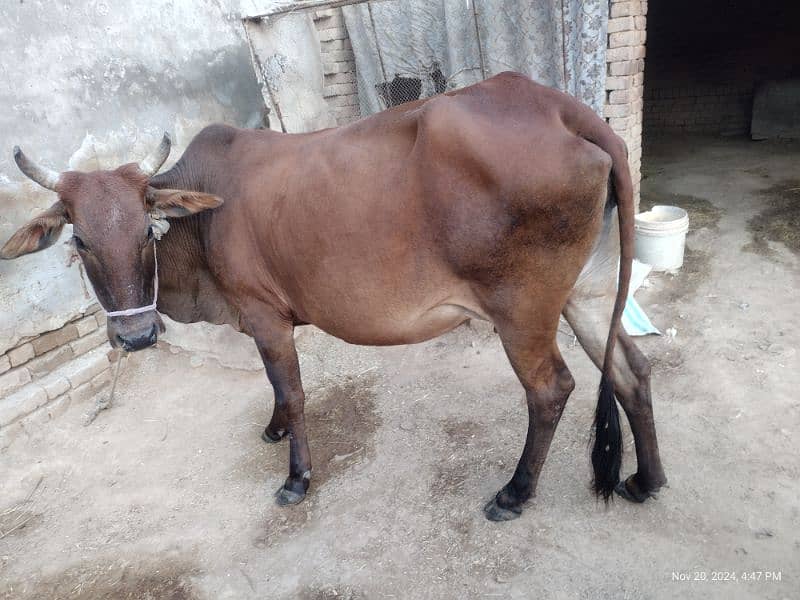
[188,292]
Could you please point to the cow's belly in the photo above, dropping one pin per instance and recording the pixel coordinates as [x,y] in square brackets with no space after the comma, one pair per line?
[367,314]
[399,329]
[409,330]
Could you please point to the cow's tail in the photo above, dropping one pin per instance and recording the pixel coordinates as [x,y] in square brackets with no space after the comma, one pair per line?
[607,450]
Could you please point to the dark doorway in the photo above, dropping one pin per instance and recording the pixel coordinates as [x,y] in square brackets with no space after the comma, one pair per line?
[706,60]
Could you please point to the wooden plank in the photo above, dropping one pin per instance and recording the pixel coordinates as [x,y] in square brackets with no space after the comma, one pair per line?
[290,7]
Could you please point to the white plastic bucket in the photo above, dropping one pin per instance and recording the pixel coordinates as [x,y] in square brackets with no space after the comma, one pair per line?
[661,237]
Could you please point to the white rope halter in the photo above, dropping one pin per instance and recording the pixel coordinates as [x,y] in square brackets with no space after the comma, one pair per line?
[129,312]
[160,227]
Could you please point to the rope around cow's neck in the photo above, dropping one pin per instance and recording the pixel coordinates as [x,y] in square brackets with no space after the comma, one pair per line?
[160,225]
[129,312]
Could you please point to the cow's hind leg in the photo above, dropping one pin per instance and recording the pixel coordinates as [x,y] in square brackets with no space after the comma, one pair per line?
[275,341]
[548,383]
[589,316]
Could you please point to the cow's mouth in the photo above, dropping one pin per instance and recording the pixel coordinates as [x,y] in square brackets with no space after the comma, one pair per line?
[134,334]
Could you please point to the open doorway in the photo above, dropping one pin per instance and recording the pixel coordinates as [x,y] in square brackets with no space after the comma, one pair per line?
[720,75]
[733,303]
[708,61]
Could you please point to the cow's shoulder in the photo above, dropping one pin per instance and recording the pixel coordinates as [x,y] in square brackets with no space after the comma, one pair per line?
[217,135]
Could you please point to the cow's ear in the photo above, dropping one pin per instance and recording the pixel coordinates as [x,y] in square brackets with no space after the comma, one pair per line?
[181,203]
[39,233]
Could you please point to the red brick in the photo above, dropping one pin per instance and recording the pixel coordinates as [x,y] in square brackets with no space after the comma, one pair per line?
[339,89]
[616,110]
[618,82]
[331,22]
[620,24]
[619,97]
[333,45]
[628,67]
[338,101]
[89,342]
[48,341]
[21,403]
[334,33]
[336,78]
[21,354]
[332,68]
[86,325]
[626,38]
[620,124]
[337,56]
[325,13]
[87,366]
[624,9]
[347,112]
[14,380]
[47,362]
[621,53]
[55,385]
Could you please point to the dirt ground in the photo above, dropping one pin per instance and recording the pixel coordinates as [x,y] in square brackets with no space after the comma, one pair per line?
[169,493]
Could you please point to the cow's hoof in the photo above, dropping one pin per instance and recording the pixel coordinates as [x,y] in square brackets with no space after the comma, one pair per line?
[629,490]
[495,512]
[273,438]
[284,497]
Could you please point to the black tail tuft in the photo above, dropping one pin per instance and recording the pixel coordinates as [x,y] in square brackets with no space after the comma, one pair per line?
[607,451]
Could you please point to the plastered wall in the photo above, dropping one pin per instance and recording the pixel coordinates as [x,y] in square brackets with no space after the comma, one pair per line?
[87,84]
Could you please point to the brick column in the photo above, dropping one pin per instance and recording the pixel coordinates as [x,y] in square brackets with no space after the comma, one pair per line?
[339,65]
[625,78]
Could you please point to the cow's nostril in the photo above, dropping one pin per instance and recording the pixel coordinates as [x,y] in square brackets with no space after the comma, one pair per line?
[138,341]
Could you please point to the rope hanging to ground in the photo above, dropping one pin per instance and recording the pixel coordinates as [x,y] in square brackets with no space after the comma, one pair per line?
[102,404]
[160,225]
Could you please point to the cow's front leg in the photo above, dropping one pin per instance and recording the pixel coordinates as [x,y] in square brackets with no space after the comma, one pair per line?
[275,343]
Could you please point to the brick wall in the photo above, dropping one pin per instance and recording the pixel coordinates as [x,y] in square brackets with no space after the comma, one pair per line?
[42,376]
[339,65]
[625,56]
[679,104]
[705,60]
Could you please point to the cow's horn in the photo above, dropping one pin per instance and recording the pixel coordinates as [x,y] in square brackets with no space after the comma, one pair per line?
[153,162]
[46,178]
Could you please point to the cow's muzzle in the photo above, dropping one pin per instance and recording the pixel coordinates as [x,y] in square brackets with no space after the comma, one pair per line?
[134,333]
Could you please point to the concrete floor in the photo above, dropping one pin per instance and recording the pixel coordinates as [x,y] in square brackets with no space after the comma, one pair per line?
[169,493]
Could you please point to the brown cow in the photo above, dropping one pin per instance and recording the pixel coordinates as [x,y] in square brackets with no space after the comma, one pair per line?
[487,202]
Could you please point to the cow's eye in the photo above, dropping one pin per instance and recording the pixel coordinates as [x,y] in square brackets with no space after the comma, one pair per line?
[78,243]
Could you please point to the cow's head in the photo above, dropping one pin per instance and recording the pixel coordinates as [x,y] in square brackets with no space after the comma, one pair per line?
[113,233]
